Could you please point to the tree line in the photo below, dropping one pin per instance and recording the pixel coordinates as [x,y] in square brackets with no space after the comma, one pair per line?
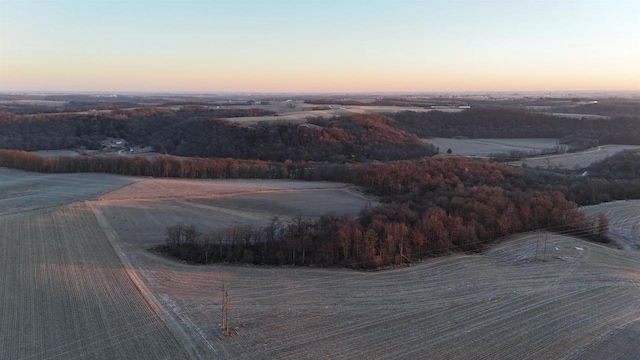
[430,206]
[385,236]
[416,181]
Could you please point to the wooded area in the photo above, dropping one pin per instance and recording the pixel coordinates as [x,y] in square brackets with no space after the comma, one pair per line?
[516,123]
[204,132]
[431,205]
[386,236]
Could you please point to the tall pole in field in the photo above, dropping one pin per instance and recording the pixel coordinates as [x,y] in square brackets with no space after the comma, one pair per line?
[226,321]
[224,306]
[225,310]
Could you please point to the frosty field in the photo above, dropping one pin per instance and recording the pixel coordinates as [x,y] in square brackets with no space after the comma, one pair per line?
[484,148]
[77,281]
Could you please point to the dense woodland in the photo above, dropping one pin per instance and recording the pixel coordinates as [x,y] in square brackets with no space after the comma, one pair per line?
[515,123]
[138,126]
[203,132]
[355,138]
[624,165]
[615,178]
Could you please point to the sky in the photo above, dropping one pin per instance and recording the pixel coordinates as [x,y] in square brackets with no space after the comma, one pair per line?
[319,45]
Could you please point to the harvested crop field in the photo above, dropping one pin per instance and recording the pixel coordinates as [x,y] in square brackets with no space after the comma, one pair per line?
[577,160]
[149,188]
[76,281]
[299,117]
[306,203]
[144,221]
[484,148]
[581,116]
[23,191]
[504,304]
[66,295]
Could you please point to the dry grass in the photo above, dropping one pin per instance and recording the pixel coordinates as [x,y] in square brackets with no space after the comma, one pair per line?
[146,188]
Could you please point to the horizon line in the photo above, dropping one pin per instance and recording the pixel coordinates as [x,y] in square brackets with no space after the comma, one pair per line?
[320,92]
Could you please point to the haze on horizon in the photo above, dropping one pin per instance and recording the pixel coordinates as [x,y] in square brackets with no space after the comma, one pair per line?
[319,46]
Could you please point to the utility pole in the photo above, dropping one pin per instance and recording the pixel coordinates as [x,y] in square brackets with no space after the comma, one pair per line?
[225,310]
[223,305]
[226,321]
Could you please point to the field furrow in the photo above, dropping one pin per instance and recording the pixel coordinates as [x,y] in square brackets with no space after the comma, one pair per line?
[502,304]
[78,282]
[65,294]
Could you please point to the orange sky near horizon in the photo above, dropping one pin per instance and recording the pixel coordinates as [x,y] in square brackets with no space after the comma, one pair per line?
[349,46]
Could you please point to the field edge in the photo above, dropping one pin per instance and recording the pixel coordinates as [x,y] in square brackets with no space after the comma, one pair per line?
[167,318]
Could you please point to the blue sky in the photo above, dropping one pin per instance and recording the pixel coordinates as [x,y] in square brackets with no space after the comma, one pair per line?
[348,45]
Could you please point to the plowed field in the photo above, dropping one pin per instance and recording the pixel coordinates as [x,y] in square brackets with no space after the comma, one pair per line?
[24,191]
[504,304]
[484,148]
[77,282]
[64,293]
[624,221]
[140,213]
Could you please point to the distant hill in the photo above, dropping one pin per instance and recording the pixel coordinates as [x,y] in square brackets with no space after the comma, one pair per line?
[204,132]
